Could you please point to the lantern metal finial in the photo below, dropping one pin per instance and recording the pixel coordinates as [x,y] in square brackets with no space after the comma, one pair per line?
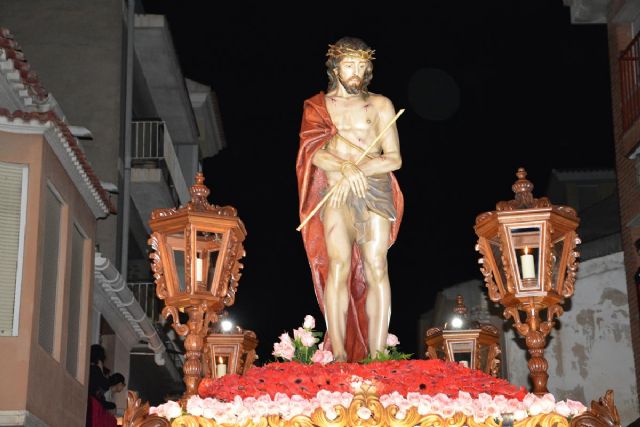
[460,308]
[523,199]
[199,191]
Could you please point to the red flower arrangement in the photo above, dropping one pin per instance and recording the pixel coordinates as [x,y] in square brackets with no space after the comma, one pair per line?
[428,377]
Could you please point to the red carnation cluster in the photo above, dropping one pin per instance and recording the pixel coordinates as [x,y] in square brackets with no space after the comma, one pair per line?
[404,376]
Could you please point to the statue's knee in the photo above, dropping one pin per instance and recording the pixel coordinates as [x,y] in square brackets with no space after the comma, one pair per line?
[377,268]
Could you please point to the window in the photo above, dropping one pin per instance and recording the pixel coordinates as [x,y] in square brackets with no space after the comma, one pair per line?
[50,266]
[76,288]
[13,187]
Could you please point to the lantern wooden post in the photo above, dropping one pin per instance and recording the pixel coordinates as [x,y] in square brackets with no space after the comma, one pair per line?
[529,262]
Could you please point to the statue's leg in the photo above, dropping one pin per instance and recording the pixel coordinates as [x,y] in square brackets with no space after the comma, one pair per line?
[339,235]
[378,303]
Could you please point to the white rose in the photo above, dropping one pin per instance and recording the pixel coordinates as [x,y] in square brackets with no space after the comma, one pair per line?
[392,340]
[309,322]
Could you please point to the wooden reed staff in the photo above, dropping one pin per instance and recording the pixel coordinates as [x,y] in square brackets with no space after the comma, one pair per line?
[362,156]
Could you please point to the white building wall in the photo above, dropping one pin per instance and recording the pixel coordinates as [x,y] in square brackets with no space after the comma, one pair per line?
[589,351]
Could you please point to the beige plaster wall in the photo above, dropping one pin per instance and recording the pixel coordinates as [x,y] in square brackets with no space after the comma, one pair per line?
[15,351]
[44,386]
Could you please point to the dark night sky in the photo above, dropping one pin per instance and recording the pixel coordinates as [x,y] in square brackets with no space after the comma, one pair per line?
[488,87]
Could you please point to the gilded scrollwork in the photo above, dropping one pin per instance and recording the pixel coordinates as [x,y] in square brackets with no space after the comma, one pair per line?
[572,268]
[180,328]
[522,328]
[156,266]
[602,413]
[553,311]
[487,272]
[547,283]
[137,414]
[366,410]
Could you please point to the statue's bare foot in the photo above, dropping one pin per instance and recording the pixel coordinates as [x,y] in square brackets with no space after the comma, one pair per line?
[339,357]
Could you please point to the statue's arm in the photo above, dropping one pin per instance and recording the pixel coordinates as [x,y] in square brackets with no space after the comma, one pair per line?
[327,161]
[390,160]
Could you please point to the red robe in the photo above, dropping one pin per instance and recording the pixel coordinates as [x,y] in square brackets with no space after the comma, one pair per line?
[316,129]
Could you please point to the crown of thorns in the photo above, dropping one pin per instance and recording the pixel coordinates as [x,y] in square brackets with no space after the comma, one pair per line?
[337,51]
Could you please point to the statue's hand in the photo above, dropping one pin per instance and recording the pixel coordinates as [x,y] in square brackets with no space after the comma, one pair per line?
[339,197]
[355,177]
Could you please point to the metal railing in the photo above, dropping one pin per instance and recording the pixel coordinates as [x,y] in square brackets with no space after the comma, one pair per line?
[629,63]
[148,140]
[152,147]
[145,294]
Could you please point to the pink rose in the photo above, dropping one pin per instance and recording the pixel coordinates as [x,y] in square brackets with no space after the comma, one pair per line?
[392,340]
[322,357]
[170,410]
[562,408]
[195,406]
[309,322]
[305,337]
[576,407]
[285,348]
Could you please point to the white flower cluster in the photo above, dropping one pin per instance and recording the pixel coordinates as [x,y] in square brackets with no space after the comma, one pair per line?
[242,410]
[485,406]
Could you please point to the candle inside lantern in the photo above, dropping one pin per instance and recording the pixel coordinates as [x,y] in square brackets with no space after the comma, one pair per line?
[198,269]
[527,265]
[221,368]
[464,363]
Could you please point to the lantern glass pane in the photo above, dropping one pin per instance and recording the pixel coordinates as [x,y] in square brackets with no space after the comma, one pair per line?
[526,244]
[483,355]
[462,352]
[208,244]
[178,261]
[556,263]
[211,272]
[497,256]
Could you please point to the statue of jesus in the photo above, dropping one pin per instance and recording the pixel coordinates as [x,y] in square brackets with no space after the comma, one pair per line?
[347,241]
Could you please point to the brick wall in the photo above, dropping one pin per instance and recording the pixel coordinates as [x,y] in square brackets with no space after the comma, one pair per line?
[620,34]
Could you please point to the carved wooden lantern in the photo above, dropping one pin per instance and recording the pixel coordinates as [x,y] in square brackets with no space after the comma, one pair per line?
[196,267]
[469,342]
[529,264]
[229,353]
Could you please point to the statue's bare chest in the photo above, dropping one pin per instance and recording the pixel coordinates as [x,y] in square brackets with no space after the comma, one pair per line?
[353,113]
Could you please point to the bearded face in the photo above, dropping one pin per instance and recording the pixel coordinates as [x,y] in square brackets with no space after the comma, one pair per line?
[350,73]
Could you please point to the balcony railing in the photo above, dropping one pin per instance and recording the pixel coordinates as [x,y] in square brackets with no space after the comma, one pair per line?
[145,294]
[630,83]
[152,147]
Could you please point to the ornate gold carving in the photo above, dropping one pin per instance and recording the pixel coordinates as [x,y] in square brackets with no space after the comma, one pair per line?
[187,260]
[522,328]
[572,268]
[543,420]
[523,197]
[487,273]
[602,413]
[494,360]
[433,331]
[489,328]
[137,414]
[157,267]
[172,311]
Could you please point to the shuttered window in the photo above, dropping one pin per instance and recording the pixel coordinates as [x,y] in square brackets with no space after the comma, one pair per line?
[78,243]
[50,264]
[13,206]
